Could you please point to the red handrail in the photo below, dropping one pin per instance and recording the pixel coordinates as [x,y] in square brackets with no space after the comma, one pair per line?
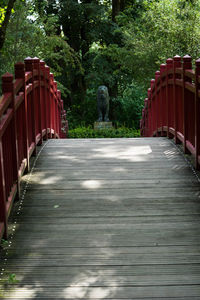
[31,110]
[172,108]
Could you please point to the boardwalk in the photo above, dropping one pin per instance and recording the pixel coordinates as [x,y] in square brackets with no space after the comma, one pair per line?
[106,219]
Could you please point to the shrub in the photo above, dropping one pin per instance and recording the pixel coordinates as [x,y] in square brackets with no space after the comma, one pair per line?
[88,132]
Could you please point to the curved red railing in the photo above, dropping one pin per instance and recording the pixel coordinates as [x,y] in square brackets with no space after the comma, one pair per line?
[31,110]
[173,105]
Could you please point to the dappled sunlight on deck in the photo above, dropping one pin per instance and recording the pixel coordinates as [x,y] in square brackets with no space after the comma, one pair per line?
[106,219]
[135,153]
[91,184]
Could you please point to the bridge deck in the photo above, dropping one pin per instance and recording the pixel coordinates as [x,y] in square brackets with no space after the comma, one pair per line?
[106,219]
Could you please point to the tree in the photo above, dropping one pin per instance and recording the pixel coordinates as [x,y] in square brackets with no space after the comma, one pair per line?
[117,7]
[6,10]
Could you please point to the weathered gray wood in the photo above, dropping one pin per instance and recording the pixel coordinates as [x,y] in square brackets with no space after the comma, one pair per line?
[106,219]
[113,292]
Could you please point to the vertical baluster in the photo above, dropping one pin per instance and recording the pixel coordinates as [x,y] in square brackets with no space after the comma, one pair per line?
[176,64]
[51,104]
[149,125]
[20,73]
[44,100]
[145,116]
[29,68]
[55,107]
[8,87]
[36,66]
[3,212]
[153,108]
[162,98]
[197,114]
[169,63]
[187,64]
[157,99]
[48,101]
[59,112]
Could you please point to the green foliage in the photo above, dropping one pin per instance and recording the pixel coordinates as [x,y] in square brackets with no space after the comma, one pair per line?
[4,243]
[164,29]
[128,106]
[12,279]
[26,36]
[85,48]
[2,14]
[88,132]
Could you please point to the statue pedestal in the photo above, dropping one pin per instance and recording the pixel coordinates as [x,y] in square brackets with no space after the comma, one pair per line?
[102,125]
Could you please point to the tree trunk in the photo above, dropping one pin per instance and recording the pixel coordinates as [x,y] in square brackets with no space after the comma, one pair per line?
[5,22]
[115,9]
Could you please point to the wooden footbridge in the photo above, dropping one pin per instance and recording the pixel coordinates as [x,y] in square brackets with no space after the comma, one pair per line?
[102,218]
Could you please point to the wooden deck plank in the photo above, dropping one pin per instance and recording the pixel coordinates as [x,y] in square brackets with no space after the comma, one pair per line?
[106,219]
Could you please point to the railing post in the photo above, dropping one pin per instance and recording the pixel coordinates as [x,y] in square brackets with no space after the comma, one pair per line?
[197,114]
[52,103]
[145,117]
[43,69]
[162,69]
[59,112]
[3,213]
[20,74]
[51,91]
[187,65]
[176,64]
[157,99]
[169,64]
[48,100]
[36,66]
[55,106]
[29,68]
[149,129]
[153,108]
[8,87]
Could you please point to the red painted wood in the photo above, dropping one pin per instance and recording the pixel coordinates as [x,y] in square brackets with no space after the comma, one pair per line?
[176,93]
[163,112]
[30,109]
[187,65]
[197,114]
[173,104]
[3,218]
[22,120]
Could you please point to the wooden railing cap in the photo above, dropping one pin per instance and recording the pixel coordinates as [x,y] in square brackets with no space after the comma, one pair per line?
[197,62]
[169,61]
[19,65]
[7,77]
[177,58]
[28,59]
[152,83]
[42,63]
[36,59]
[187,58]
[162,68]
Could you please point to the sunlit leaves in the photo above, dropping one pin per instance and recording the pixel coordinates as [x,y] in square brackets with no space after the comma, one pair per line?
[2,14]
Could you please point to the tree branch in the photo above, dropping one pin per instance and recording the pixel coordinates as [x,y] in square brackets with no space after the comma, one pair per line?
[5,22]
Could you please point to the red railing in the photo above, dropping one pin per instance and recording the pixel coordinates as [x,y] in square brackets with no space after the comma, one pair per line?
[173,105]
[31,110]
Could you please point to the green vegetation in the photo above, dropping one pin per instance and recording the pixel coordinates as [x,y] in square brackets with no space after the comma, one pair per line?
[87,43]
[4,244]
[12,279]
[88,132]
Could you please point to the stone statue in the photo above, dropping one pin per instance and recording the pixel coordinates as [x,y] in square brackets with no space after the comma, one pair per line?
[103,103]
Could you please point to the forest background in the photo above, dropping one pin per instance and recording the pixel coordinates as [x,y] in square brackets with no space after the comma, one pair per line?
[87,43]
